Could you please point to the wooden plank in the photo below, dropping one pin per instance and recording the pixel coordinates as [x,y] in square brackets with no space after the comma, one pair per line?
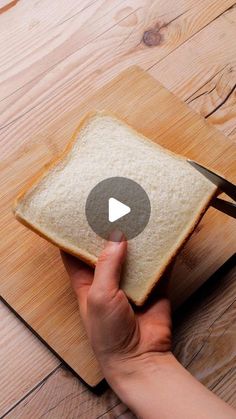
[24,360]
[196,344]
[205,336]
[225,387]
[216,100]
[89,51]
[218,358]
[233,135]
[197,59]
[206,79]
[62,395]
[120,411]
[43,296]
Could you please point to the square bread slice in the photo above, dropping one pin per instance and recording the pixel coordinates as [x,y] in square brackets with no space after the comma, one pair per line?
[102,147]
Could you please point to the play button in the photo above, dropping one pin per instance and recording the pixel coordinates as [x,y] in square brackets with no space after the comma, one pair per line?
[117,210]
[118,203]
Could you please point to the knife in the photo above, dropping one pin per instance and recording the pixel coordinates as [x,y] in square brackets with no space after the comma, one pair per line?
[224,185]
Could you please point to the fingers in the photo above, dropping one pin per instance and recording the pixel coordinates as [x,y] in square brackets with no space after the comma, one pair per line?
[107,274]
[81,279]
[109,265]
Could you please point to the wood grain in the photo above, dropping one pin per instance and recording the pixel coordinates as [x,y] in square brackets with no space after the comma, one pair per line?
[214,228]
[225,387]
[24,360]
[197,329]
[42,295]
[63,396]
[206,79]
[47,59]
[84,52]
[208,351]
[216,100]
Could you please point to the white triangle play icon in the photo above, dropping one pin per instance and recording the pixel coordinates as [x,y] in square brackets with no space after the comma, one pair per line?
[117,210]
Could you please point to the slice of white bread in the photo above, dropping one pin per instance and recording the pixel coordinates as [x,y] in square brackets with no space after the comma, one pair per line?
[53,205]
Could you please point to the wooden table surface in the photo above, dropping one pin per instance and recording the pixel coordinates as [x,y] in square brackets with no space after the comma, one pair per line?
[50,53]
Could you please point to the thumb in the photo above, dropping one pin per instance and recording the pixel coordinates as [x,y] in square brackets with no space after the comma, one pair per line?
[108,267]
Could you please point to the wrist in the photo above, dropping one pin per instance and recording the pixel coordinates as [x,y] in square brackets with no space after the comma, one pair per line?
[126,375]
[157,385]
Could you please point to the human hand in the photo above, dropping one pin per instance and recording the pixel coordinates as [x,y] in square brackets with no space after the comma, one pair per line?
[121,338]
[134,348]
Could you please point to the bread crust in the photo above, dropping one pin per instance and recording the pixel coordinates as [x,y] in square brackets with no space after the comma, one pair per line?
[53,163]
[83,255]
[80,253]
[183,239]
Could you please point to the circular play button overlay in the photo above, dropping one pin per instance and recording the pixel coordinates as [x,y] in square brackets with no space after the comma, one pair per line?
[118,203]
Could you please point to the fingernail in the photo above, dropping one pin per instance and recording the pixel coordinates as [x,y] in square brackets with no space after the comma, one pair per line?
[116,236]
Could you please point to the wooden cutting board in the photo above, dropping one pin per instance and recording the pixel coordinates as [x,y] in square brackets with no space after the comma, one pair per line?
[33,281]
